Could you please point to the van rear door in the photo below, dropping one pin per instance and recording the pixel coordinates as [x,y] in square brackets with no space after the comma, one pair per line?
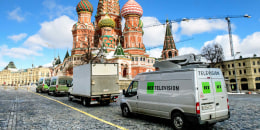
[212,93]
[220,96]
[206,98]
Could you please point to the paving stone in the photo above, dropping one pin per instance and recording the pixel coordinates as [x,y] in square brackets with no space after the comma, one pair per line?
[24,110]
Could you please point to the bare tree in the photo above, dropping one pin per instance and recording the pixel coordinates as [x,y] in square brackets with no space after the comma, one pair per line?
[213,53]
[88,56]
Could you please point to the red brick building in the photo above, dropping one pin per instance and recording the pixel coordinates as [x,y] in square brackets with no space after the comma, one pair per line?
[123,47]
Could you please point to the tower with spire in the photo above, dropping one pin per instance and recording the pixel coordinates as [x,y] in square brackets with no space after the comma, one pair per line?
[83,31]
[169,48]
[133,30]
[108,24]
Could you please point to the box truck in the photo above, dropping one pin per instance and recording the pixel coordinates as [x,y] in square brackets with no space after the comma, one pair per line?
[95,84]
[188,93]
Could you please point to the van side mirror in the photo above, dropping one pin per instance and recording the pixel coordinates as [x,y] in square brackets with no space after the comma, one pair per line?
[123,91]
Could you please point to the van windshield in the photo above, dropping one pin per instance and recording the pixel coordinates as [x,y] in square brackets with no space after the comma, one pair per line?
[47,81]
[40,81]
[65,81]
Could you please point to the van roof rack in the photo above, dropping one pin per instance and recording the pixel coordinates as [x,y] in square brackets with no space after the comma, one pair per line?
[181,62]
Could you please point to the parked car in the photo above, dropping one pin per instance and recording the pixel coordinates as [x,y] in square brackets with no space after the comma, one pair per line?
[58,85]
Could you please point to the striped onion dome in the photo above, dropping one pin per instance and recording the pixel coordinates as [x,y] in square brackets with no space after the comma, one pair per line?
[132,7]
[84,5]
[106,22]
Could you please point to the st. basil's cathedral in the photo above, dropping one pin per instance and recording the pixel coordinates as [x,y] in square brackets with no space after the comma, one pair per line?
[123,47]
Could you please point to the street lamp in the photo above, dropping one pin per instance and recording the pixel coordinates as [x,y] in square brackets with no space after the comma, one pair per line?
[235,70]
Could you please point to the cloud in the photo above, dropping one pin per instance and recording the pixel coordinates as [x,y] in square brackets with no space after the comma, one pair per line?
[200,26]
[188,50]
[250,45]
[21,53]
[53,34]
[156,53]
[154,36]
[54,10]
[18,37]
[247,46]
[2,63]
[48,65]
[16,15]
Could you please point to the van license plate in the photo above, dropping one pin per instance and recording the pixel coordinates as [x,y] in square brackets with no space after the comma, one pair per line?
[207,107]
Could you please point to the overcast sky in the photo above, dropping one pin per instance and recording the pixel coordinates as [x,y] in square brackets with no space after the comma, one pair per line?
[34,31]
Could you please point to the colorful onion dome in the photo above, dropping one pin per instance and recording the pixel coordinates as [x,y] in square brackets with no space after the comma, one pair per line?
[106,22]
[84,5]
[132,7]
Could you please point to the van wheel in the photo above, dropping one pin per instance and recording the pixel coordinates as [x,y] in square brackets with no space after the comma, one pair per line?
[69,98]
[178,121]
[125,111]
[37,91]
[84,101]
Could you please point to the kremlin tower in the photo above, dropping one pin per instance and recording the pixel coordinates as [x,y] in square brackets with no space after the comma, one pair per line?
[169,48]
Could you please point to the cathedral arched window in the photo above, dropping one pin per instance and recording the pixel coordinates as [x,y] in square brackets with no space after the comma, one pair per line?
[170,54]
[133,59]
[136,58]
[175,53]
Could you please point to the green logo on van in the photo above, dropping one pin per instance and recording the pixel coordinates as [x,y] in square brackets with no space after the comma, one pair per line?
[205,87]
[218,86]
[150,87]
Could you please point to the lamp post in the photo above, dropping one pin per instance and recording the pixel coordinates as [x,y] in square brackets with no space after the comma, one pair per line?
[237,89]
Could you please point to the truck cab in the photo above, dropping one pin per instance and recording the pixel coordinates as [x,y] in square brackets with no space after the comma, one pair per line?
[58,85]
[43,84]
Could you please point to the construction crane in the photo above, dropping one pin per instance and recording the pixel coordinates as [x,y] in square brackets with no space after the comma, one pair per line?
[170,22]
[227,18]
[167,22]
[175,43]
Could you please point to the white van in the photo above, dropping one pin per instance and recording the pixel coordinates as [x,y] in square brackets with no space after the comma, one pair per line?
[191,95]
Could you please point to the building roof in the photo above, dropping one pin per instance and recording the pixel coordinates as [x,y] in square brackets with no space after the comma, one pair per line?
[132,7]
[84,5]
[11,65]
[106,22]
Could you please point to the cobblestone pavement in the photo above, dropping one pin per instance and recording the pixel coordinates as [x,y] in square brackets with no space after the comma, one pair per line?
[20,109]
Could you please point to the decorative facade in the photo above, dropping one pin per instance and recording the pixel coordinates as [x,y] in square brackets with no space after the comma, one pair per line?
[169,48]
[123,47]
[12,76]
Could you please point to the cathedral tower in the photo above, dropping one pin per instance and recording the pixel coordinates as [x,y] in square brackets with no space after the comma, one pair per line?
[169,48]
[109,11]
[83,30]
[133,32]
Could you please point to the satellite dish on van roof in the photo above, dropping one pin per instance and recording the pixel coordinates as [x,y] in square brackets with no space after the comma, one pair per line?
[179,62]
